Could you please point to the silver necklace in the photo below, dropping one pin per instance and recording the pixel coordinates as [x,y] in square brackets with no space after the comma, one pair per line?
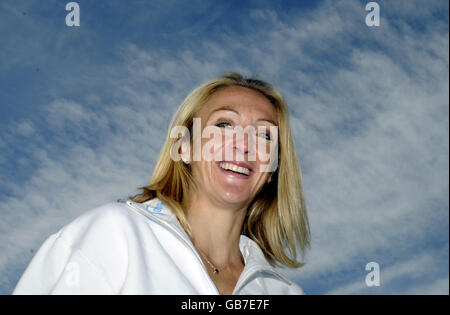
[215,270]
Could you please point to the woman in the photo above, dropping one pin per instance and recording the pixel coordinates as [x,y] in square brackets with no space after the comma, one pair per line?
[217,221]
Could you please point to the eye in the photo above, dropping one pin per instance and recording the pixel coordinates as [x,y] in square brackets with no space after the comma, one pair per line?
[264,135]
[224,125]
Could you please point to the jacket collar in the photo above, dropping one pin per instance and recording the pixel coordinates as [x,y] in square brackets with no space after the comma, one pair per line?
[254,258]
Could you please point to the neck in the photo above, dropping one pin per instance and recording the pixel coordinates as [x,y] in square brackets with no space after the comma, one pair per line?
[216,228]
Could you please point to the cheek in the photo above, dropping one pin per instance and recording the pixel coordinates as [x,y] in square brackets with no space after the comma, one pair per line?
[201,171]
[267,153]
[212,148]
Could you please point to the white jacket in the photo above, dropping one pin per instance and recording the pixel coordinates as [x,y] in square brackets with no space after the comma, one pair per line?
[137,248]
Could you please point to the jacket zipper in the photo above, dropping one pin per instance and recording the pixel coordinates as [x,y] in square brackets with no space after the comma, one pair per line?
[254,269]
[181,238]
[242,280]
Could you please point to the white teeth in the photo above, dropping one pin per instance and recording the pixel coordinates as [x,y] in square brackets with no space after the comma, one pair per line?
[235,168]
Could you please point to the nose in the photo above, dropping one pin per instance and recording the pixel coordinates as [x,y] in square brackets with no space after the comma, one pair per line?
[241,146]
[241,143]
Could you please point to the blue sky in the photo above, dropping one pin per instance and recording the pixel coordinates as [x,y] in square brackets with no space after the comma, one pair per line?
[84,111]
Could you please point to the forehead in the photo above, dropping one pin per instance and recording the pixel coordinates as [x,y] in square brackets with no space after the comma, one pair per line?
[243,100]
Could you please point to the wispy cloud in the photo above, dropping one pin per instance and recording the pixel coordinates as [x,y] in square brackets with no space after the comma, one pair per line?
[405,277]
[369,114]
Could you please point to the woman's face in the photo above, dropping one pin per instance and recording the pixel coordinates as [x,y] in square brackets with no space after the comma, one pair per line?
[235,175]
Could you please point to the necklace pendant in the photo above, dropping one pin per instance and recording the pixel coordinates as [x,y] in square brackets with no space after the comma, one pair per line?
[216,271]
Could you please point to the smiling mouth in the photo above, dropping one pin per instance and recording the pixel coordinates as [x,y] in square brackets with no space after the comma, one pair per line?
[234,168]
[240,171]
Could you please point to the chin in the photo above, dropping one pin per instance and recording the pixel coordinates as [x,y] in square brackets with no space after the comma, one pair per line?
[235,197]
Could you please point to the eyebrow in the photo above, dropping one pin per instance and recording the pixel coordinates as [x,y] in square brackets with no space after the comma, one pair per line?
[228,108]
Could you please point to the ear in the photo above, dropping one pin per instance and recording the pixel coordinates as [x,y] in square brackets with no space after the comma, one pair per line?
[185,150]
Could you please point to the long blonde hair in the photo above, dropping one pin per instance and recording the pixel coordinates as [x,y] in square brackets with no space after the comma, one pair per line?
[276,219]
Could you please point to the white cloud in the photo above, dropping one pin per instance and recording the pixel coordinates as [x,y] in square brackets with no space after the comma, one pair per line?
[25,129]
[438,287]
[370,123]
[416,270]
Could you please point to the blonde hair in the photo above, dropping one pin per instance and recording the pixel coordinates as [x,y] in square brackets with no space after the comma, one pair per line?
[276,219]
